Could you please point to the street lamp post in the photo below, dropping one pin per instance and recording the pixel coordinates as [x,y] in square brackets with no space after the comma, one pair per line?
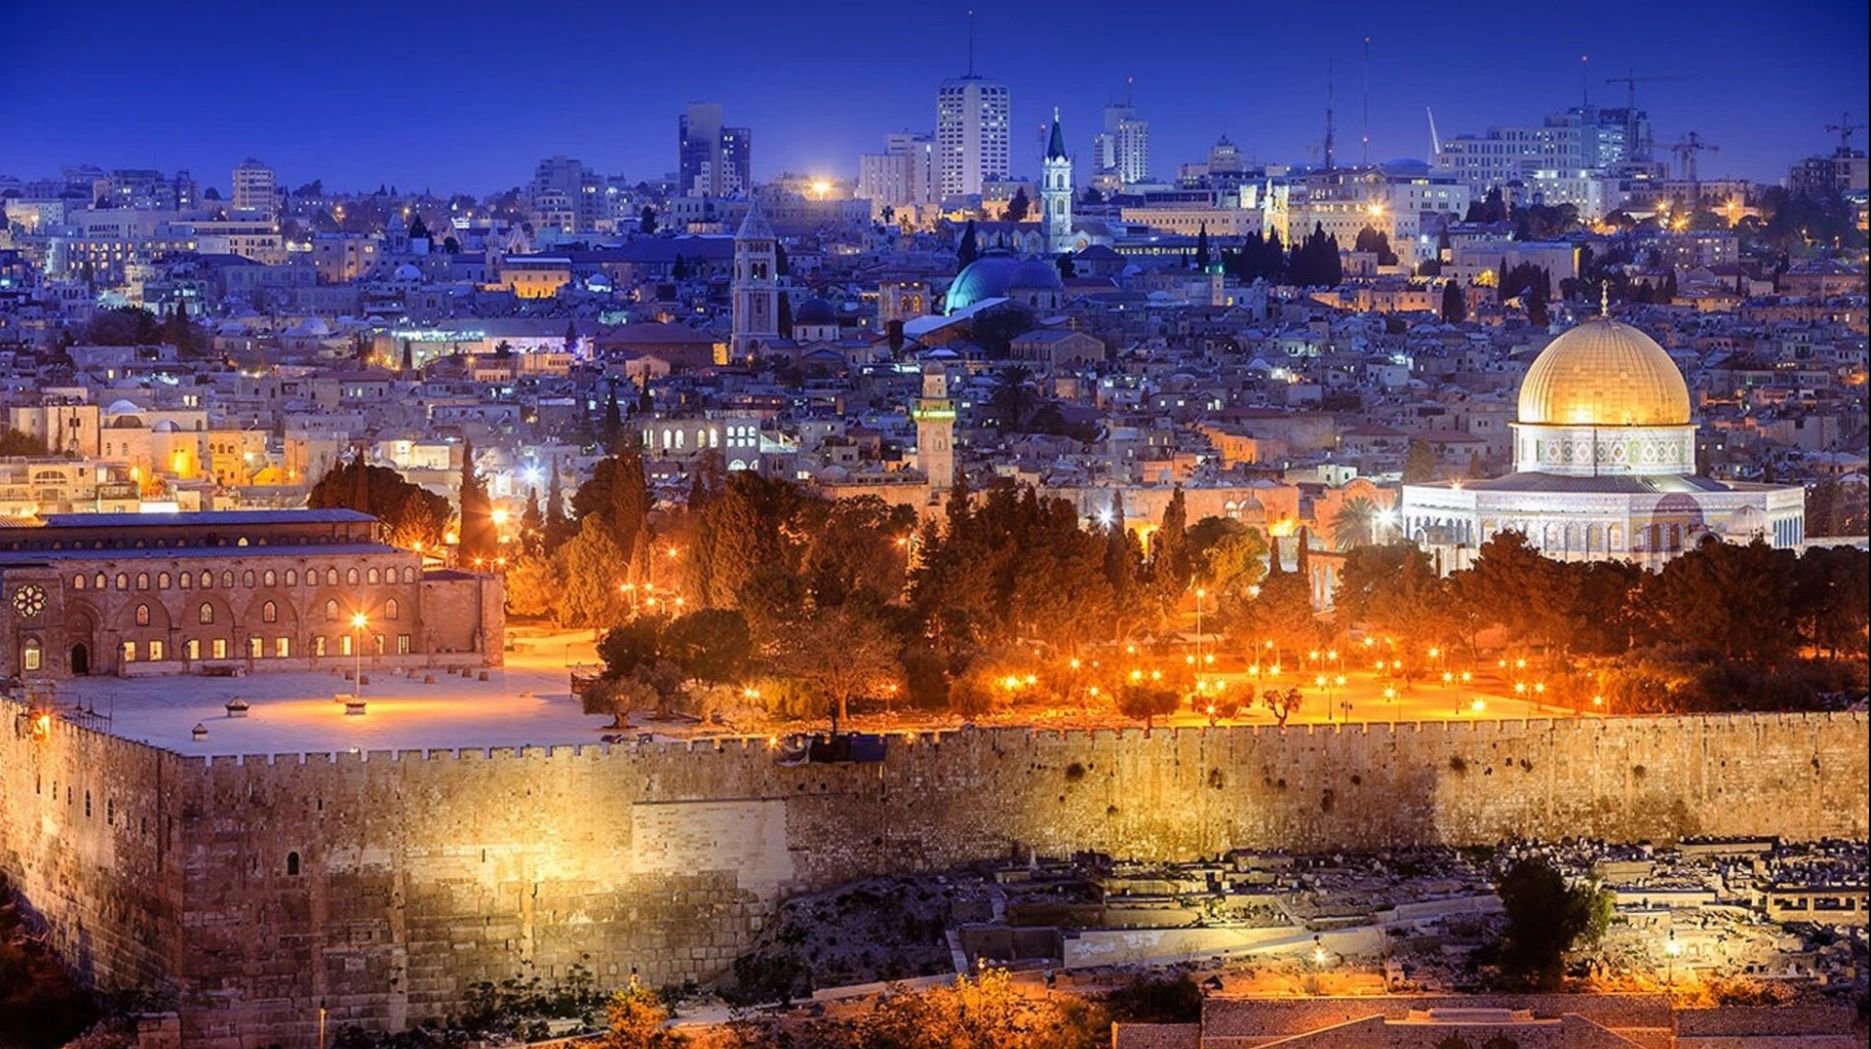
[1670,951]
[1200,594]
[358,621]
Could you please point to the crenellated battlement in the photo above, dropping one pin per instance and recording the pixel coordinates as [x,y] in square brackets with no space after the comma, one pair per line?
[469,864]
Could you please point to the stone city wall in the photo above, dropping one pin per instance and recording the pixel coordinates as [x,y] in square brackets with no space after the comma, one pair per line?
[382,885]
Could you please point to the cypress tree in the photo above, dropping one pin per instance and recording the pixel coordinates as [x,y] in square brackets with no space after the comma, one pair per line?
[476,540]
[969,250]
[1454,306]
[613,418]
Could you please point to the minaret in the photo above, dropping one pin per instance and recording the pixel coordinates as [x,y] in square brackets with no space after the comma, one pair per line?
[1056,192]
[935,429]
[756,286]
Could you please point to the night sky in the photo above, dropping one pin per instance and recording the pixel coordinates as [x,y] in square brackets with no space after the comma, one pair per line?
[468,95]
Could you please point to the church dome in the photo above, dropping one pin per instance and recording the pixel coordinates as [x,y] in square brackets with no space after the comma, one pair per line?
[1603,373]
[816,311]
[987,277]
[1035,275]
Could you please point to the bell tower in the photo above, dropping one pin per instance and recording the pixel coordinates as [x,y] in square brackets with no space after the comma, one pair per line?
[935,429]
[1056,192]
[756,286]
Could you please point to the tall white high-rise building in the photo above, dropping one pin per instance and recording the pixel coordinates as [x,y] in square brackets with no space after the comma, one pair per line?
[566,195]
[972,128]
[255,188]
[1122,149]
[903,175]
[712,160]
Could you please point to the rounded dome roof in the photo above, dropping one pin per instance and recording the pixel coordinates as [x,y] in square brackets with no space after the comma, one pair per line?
[815,311]
[1036,274]
[1603,373]
[124,406]
[987,277]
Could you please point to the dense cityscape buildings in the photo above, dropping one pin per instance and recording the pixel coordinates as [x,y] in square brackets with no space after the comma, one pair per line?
[968,592]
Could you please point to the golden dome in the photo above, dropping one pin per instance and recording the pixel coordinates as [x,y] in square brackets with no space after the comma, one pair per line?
[1603,373]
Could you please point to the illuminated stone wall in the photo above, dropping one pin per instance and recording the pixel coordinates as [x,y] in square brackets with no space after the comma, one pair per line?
[422,873]
[89,833]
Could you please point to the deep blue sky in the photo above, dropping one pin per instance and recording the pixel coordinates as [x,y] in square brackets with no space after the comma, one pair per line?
[467,95]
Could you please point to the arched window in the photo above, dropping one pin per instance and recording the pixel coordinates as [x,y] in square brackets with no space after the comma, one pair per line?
[269,578]
[292,577]
[409,575]
[186,580]
[269,613]
[123,581]
[389,609]
[142,615]
[227,580]
[32,657]
[246,579]
[350,577]
[99,581]
[331,611]
[142,580]
[77,581]
[372,576]
[292,865]
[162,580]
[207,579]
[331,577]
[204,614]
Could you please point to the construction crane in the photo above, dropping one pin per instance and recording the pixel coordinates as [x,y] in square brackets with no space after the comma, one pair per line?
[1634,149]
[1845,127]
[1686,151]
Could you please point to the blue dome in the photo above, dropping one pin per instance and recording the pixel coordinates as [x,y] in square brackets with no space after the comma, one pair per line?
[815,311]
[984,278]
[993,276]
[1036,275]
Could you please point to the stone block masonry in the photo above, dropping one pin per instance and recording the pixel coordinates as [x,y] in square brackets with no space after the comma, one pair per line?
[382,885]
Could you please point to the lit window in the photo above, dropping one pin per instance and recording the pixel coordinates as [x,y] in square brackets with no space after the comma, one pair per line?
[220,648]
[142,615]
[269,613]
[282,647]
[390,609]
[205,613]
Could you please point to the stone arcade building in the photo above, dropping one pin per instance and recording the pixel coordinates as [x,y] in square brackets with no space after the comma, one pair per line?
[150,594]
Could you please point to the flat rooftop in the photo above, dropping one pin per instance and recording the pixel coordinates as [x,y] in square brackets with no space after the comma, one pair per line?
[527,702]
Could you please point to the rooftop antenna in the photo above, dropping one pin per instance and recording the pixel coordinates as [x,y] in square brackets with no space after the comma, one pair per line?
[1129,82]
[971,41]
[1585,90]
[1365,156]
[1329,67]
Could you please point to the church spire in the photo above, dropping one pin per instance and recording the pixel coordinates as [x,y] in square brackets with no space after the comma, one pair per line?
[1055,149]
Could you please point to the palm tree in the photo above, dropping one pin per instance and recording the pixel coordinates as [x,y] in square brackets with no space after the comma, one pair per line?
[1012,397]
[1355,524]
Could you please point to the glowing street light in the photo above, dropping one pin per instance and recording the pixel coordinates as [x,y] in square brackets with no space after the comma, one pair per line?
[359,622]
